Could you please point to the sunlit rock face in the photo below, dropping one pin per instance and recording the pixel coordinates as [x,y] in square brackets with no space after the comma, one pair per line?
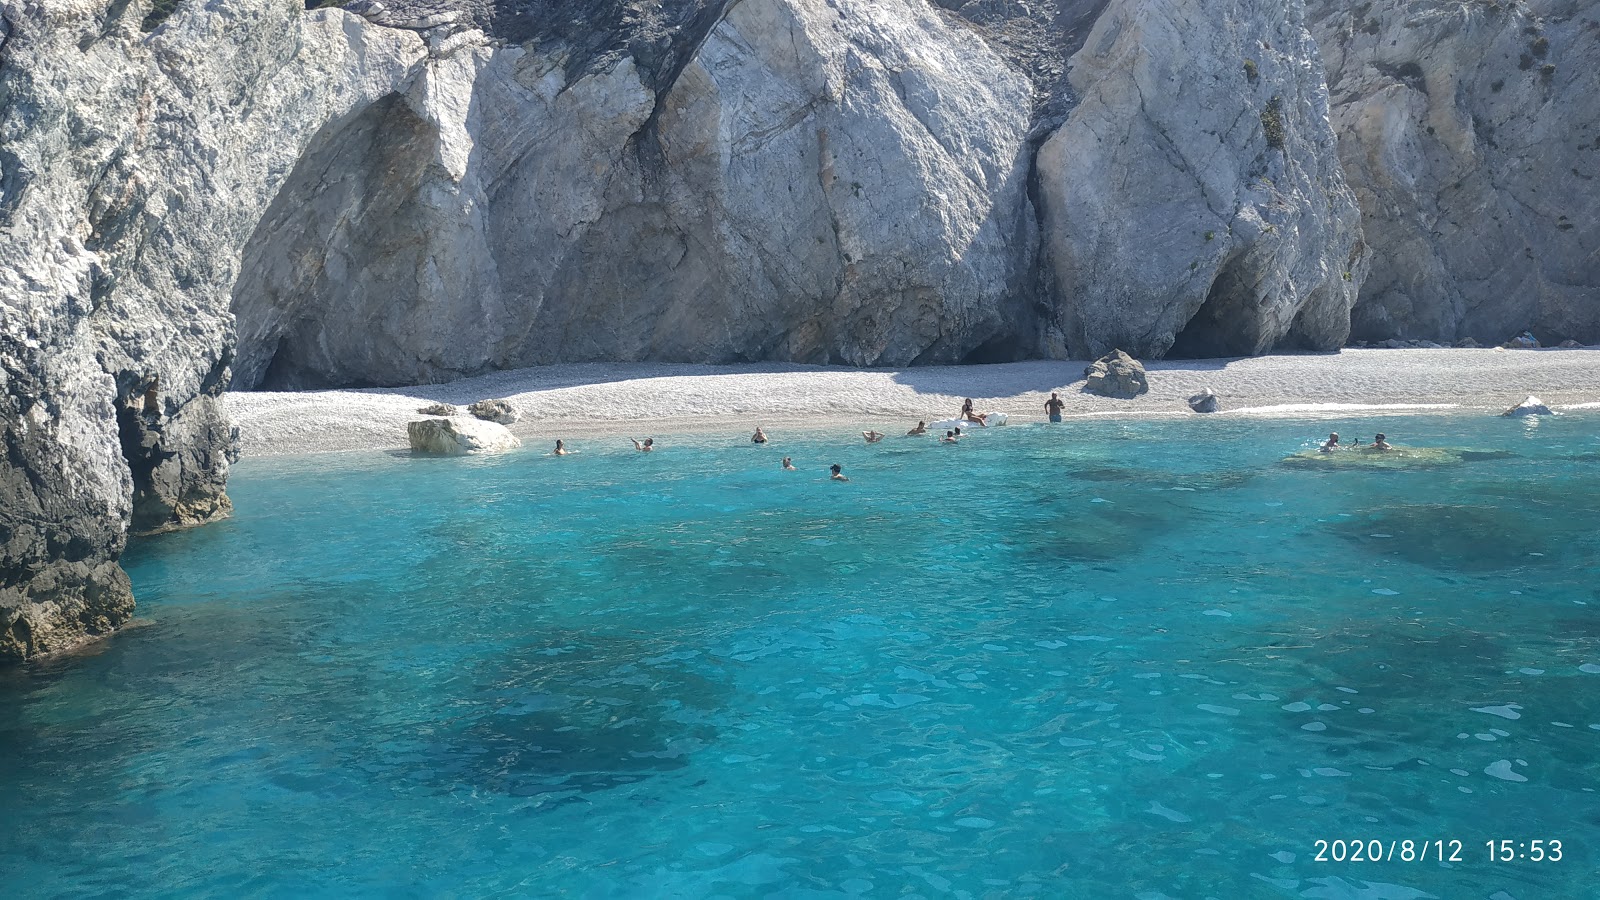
[1471,134]
[1193,199]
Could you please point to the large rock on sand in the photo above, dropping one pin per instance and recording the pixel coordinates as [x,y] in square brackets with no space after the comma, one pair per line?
[500,411]
[459,435]
[1116,375]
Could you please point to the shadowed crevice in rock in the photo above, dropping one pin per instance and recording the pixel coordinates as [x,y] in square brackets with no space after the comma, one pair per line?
[347,213]
[1222,326]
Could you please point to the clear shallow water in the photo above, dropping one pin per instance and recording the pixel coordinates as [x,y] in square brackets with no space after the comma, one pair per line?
[1097,660]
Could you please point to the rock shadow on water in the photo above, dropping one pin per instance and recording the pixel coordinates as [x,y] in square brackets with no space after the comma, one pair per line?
[580,717]
[1459,537]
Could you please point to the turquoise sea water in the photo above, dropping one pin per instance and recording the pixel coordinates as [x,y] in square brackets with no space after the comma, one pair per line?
[1106,659]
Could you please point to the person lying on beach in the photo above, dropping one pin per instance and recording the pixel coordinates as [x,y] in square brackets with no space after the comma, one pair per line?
[561,449]
[788,465]
[971,415]
[949,438]
[1332,444]
[872,436]
[1052,407]
[760,437]
[648,445]
[922,428]
[838,474]
[1380,443]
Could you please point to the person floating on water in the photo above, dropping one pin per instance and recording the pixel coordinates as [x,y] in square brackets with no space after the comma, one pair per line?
[1332,444]
[949,438]
[648,445]
[561,449]
[838,474]
[788,465]
[922,428]
[971,415]
[1381,443]
[873,436]
[1053,406]
[760,437]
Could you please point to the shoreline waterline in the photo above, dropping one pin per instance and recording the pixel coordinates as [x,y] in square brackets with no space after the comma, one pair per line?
[636,399]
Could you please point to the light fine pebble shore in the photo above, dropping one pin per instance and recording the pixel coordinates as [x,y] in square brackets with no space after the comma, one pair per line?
[655,398]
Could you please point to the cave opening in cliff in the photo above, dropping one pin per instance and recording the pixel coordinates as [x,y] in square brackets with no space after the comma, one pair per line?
[1224,325]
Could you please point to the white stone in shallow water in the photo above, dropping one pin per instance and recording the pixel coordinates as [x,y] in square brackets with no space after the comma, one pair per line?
[1508,711]
[1219,710]
[1501,769]
[1297,707]
[1590,668]
[1385,592]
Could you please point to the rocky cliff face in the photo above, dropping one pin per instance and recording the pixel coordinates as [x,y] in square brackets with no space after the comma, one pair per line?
[1194,198]
[198,193]
[131,171]
[1471,133]
[820,182]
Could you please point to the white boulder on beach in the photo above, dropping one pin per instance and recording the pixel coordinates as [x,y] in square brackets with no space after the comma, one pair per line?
[459,436]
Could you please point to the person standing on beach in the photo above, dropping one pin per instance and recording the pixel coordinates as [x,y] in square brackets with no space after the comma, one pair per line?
[788,465]
[838,474]
[1052,407]
[648,445]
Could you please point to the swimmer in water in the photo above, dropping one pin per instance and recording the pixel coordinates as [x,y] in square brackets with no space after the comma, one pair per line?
[949,438]
[872,436]
[838,474]
[788,465]
[922,428]
[648,445]
[1332,444]
[561,449]
[1380,443]
[760,437]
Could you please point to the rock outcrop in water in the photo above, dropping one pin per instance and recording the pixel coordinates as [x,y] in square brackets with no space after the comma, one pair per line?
[194,194]
[1471,133]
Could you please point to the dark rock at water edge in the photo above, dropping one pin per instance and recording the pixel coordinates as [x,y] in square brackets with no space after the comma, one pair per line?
[1204,402]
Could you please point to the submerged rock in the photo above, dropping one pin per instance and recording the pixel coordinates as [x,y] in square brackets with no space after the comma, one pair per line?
[459,435]
[1204,402]
[500,411]
[1530,406]
[1116,375]
[1397,458]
